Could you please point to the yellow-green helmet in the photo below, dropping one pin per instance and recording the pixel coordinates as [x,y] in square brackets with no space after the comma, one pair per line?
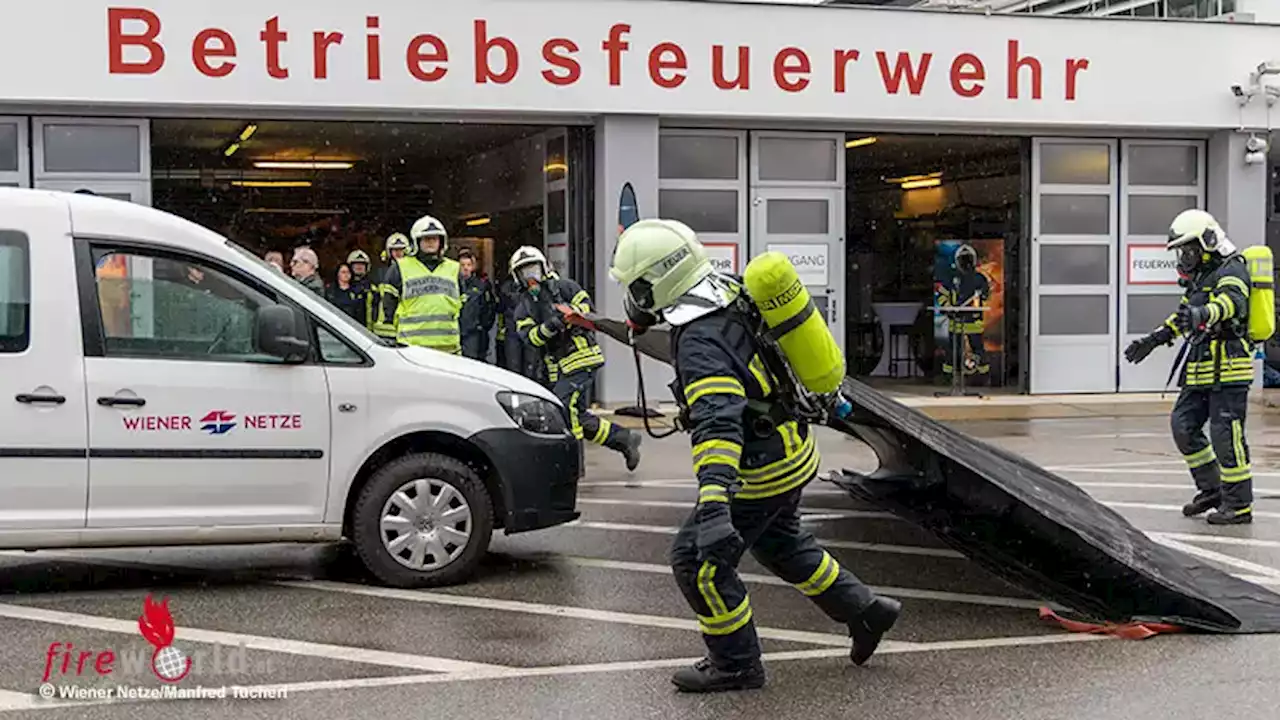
[657,262]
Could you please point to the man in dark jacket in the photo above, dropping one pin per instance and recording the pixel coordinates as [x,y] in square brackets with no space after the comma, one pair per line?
[513,353]
[478,309]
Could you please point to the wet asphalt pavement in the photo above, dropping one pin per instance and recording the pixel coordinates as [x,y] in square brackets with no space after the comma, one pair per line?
[584,621]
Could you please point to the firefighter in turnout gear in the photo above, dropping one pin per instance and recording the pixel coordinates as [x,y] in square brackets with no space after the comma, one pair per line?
[571,351]
[382,323]
[752,461]
[423,291]
[967,287]
[1213,317]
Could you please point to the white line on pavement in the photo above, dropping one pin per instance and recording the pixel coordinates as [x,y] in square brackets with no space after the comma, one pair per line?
[1172,508]
[912,593]
[562,611]
[626,666]
[1222,540]
[252,642]
[11,700]
[1215,556]
[1116,470]
[805,513]
[843,544]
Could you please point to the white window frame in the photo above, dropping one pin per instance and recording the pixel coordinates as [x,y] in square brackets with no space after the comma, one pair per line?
[144,138]
[738,185]
[838,138]
[23,174]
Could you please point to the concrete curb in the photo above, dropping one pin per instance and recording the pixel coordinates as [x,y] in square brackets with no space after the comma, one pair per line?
[997,407]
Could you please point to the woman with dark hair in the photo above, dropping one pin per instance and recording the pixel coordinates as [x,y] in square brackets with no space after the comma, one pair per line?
[348,296]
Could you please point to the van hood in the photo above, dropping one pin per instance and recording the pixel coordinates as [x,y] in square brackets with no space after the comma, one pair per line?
[475,370]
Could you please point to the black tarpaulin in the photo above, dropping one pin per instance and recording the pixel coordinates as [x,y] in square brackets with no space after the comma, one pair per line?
[1025,524]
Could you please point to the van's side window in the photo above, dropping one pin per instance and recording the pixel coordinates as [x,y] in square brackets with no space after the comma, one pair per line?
[15,292]
[158,307]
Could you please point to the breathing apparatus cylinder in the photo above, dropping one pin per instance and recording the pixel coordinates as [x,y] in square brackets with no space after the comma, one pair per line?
[794,323]
[1262,292]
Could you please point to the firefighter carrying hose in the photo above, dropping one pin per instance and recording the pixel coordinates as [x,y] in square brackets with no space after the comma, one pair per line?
[1227,306]
[571,351]
[751,459]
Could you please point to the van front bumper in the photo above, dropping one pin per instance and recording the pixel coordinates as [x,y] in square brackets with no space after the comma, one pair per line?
[538,477]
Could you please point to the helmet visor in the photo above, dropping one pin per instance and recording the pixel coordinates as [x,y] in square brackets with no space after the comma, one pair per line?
[530,274]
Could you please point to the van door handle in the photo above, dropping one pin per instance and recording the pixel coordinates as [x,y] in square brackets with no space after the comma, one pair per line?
[30,399]
[114,401]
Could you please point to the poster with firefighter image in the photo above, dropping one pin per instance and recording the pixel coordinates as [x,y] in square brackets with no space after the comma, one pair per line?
[970,272]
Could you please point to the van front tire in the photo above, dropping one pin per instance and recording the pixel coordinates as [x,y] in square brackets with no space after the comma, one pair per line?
[423,520]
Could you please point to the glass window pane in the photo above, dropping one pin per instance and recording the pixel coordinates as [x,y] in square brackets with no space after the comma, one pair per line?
[557,166]
[15,292]
[8,147]
[1075,214]
[797,217]
[1075,164]
[334,350]
[164,308]
[797,159]
[93,148]
[709,211]
[1162,165]
[1075,265]
[698,157]
[1075,314]
[1148,312]
[557,222]
[1151,214]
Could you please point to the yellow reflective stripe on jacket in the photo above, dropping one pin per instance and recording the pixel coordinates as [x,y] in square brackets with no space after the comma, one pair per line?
[761,374]
[716,452]
[1231,281]
[581,302]
[798,467]
[535,336]
[591,357]
[711,492]
[714,385]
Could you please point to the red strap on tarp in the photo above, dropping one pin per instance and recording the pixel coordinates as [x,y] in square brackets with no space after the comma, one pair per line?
[1127,631]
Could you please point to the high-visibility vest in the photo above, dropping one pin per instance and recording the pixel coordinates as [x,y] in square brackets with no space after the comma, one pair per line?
[430,302]
[375,309]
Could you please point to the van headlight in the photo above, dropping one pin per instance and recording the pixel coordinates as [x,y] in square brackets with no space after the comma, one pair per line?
[533,414]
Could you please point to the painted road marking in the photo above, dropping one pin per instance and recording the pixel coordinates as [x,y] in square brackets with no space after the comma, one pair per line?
[1222,540]
[252,642]
[1215,556]
[597,668]
[1113,469]
[561,611]
[911,593]
[805,513]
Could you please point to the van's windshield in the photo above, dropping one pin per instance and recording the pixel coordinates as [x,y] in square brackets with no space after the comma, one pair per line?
[345,317]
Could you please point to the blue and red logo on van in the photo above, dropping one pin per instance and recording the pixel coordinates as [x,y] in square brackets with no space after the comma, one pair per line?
[218,422]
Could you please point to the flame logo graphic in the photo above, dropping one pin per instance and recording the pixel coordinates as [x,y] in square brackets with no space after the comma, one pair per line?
[156,624]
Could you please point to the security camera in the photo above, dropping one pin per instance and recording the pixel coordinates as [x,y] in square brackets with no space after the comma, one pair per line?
[1256,144]
[1237,91]
[1269,67]
[1255,158]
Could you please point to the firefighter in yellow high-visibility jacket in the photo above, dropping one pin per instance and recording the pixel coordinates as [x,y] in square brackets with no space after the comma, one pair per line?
[422,292]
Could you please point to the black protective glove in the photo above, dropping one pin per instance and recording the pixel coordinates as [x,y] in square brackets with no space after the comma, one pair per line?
[554,324]
[718,539]
[1139,349]
[1192,319]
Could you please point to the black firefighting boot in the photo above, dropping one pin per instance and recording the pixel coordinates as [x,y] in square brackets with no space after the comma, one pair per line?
[627,442]
[705,677]
[870,626]
[1228,516]
[1202,502]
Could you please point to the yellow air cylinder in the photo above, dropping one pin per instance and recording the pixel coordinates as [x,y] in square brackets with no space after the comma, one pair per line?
[1262,292]
[794,321]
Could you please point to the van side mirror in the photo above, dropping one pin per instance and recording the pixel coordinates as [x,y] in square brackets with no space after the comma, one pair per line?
[279,330]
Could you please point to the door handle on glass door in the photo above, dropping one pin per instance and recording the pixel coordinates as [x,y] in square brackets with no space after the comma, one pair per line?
[115,401]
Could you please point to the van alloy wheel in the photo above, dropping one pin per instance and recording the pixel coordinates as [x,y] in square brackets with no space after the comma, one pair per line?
[426,524]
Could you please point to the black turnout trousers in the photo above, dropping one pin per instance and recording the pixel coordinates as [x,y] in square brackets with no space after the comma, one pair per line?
[1220,464]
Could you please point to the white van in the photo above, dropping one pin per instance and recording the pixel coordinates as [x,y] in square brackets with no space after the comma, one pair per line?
[160,385]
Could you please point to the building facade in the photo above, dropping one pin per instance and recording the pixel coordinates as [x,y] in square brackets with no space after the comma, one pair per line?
[745,120]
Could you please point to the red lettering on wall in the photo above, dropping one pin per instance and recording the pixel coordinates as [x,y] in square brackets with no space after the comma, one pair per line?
[742,79]
[118,40]
[967,68]
[903,65]
[558,52]
[1074,66]
[416,57]
[484,45]
[373,49]
[322,41]
[658,65]
[272,36]
[1016,63]
[201,52]
[842,60]
[614,45]
[783,66]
